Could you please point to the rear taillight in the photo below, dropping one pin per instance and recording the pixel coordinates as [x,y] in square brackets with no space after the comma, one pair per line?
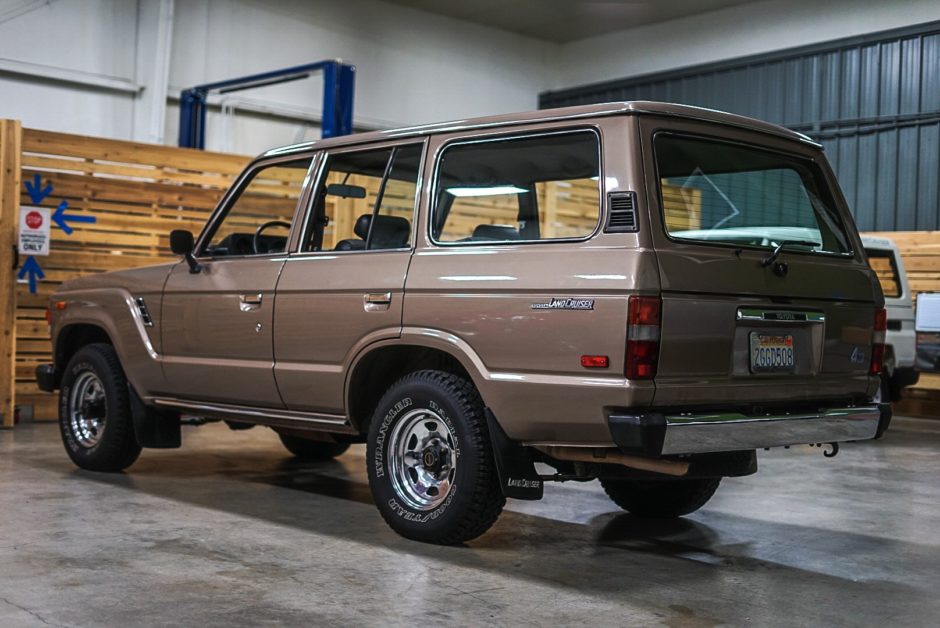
[643,322]
[878,341]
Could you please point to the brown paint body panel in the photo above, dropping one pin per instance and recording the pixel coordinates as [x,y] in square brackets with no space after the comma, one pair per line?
[215,347]
[319,329]
[704,351]
[295,349]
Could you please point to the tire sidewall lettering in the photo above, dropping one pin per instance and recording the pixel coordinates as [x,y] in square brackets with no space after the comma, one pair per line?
[421,517]
[387,421]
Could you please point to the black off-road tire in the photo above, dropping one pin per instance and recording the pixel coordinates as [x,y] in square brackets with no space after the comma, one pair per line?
[475,498]
[312,450]
[116,447]
[660,498]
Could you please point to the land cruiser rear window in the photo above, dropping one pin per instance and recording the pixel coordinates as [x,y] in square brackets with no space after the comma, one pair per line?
[727,193]
[523,189]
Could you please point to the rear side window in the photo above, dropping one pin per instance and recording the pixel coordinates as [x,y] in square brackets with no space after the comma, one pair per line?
[365,200]
[524,189]
[727,193]
[882,262]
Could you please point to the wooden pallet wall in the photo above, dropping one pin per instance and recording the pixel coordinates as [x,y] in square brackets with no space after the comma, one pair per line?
[137,192]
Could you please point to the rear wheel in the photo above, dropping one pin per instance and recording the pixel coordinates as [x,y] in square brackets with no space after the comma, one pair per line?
[660,498]
[430,464]
[306,449]
[94,411]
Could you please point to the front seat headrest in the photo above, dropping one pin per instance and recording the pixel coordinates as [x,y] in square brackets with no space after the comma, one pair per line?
[389,232]
[496,233]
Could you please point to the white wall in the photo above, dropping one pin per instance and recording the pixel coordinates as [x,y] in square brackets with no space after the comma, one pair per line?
[82,39]
[737,31]
[412,67]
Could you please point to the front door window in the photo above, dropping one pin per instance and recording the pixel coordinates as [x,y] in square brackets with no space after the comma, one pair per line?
[257,220]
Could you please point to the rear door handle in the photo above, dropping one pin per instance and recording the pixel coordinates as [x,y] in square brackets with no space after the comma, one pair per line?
[376,301]
[249,302]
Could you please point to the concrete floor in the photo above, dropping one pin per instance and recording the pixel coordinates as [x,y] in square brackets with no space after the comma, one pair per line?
[229,531]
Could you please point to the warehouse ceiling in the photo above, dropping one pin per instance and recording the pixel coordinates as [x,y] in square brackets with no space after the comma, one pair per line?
[567,20]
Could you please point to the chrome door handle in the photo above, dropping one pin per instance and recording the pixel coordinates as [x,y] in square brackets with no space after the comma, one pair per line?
[249,302]
[376,301]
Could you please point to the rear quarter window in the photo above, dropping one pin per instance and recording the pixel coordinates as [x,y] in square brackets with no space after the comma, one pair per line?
[522,189]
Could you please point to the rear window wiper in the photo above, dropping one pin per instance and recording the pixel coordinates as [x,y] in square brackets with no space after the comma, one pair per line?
[770,259]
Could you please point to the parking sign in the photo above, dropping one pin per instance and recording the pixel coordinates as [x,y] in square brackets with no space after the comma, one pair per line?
[34,231]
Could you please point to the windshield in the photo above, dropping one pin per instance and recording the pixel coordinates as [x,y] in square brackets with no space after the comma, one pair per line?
[721,192]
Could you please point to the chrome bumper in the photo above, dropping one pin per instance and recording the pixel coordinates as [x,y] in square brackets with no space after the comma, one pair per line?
[695,433]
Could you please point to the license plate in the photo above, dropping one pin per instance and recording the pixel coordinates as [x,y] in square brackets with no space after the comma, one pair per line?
[771,353]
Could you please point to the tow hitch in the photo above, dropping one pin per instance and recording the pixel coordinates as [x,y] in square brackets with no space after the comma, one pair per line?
[828,454]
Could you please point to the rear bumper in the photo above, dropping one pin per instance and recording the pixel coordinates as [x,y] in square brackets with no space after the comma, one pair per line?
[655,434]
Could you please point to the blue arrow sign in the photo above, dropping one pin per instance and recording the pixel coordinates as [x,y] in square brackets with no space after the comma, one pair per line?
[31,267]
[36,192]
[62,219]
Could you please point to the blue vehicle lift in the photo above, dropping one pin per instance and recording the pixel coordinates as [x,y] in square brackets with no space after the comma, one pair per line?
[339,80]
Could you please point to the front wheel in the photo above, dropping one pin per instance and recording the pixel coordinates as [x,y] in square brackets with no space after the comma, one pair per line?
[660,498]
[94,411]
[430,464]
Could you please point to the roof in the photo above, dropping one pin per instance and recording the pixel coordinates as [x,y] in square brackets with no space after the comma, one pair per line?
[550,115]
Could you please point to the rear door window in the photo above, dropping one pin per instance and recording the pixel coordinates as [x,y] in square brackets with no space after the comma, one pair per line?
[366,200]
[523,189]
[724,193]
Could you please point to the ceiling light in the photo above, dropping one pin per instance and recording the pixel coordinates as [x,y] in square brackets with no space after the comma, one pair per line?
[495,190]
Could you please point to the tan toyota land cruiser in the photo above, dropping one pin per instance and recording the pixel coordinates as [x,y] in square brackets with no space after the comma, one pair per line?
[639,293]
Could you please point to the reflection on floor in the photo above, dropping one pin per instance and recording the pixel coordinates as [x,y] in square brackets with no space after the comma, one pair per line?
[229,530]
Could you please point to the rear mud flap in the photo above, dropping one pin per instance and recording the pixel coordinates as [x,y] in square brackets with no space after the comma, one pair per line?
[514,464]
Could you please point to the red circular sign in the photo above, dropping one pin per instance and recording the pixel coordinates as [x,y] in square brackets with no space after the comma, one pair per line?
[34,220]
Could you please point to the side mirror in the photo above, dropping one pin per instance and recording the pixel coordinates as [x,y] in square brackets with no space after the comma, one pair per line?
[182,243]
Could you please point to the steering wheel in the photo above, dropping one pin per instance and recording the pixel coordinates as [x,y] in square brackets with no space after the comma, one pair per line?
[255,241]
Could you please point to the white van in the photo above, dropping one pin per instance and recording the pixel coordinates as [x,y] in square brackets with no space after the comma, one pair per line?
[900,349]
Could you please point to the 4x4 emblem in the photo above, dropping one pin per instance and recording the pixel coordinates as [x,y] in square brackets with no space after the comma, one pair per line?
[565,303]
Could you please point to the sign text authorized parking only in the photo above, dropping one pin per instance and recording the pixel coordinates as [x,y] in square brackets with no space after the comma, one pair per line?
[34,231]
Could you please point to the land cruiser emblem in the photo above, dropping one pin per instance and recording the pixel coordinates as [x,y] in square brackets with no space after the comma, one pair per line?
[565,304]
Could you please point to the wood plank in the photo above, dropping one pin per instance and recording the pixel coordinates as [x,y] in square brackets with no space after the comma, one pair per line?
[45,406]
[10,172]
[50,143]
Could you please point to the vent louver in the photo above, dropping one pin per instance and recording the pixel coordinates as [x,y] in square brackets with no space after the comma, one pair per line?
[621,212]
[144,312]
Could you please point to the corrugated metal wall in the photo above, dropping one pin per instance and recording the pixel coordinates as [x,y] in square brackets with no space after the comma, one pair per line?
[873,102]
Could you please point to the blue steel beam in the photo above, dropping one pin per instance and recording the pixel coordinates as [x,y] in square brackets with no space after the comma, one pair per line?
[338,92]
